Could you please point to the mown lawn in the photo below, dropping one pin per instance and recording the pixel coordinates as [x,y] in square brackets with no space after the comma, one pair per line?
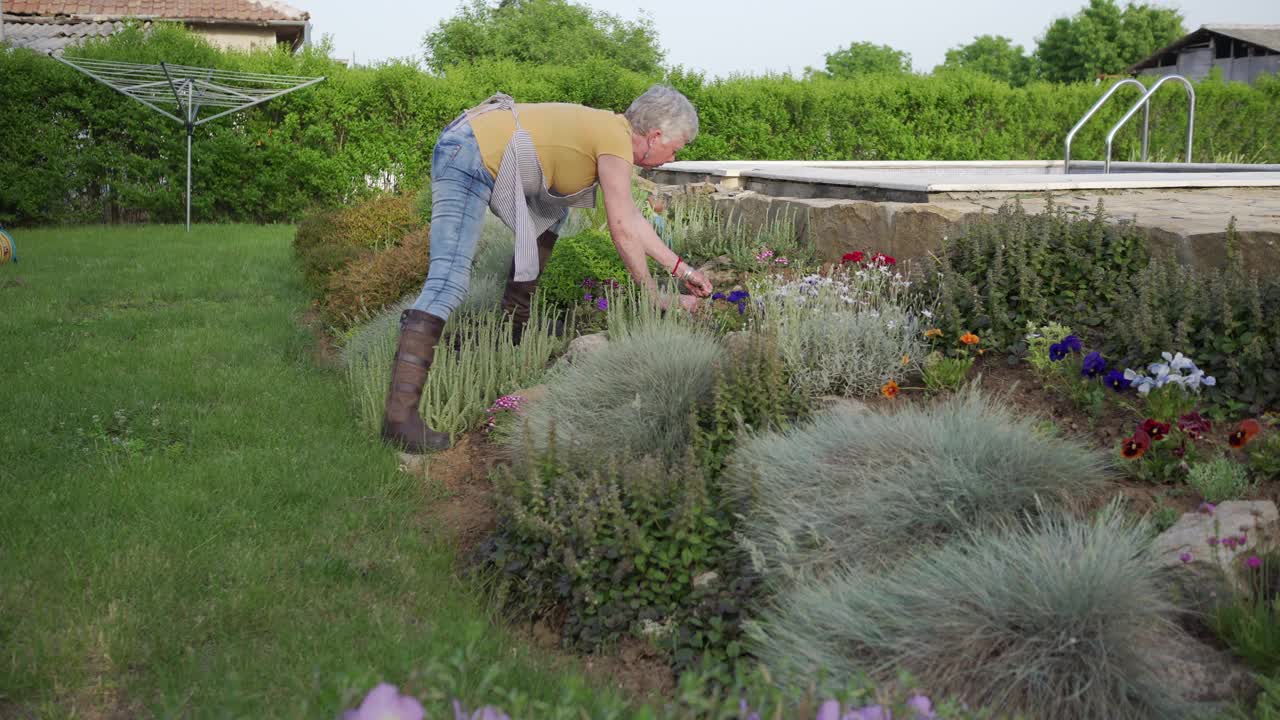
[192,524]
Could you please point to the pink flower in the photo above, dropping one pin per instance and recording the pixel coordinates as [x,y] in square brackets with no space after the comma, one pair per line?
[1213,542]
[1207,508]
[385,702]
[829,710]
[488,712]
[1254,562]
[1185,557]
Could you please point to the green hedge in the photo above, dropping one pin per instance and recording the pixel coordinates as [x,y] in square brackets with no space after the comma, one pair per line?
[74,151]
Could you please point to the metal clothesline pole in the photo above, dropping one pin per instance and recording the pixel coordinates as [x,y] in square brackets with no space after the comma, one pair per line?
[234,91]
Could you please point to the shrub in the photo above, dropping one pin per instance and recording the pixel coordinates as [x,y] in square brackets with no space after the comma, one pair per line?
[861,488]
[633,398]
[845,334]
[589,254]
[319,252]
[380,222]
[1013,269]
[1215,316]
[1264,457]
[1056,620]
[618,546]
[75,152]
[1219,480]
[368,284]
[752,394]
[327,240]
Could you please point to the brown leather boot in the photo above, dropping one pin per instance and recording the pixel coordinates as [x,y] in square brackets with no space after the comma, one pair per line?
[402,424]
[518,297]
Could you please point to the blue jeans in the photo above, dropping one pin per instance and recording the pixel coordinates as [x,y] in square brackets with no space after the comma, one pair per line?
[460,190]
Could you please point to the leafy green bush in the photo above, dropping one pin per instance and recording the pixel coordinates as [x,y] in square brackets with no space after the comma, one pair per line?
[633,398]
[856,488]
[618,546]
[75,151]
[752,394]
[1013,269]
[1055,620]
[845,334]
[589,254]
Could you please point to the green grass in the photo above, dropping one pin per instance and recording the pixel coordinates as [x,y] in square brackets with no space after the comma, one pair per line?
[193,523]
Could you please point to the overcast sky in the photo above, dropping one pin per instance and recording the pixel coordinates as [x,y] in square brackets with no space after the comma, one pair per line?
[754,36]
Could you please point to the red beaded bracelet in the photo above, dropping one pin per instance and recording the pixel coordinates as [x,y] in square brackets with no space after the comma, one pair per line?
[677,267]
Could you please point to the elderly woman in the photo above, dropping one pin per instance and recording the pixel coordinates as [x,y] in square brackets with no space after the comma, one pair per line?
[529,164]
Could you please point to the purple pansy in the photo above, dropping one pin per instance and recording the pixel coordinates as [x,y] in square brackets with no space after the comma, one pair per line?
[1094,365]
[1117,381]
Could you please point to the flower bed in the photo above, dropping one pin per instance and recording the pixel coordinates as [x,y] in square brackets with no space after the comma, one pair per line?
[785,476]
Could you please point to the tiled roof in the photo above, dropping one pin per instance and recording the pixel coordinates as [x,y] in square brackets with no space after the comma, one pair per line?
[100,10]
[54,37]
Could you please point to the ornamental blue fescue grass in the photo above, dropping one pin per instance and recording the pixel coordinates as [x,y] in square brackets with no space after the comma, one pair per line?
[1055,620]
[857,488]
[845,334]
[631,398]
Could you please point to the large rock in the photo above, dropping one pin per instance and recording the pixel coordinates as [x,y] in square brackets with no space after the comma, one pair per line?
[1203,570]
[1202,674]
[1200,534]
[584,345]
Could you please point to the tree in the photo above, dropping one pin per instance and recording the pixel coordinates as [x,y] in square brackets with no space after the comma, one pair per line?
[542,32]
[1102,39]
[861,58]
[993,55]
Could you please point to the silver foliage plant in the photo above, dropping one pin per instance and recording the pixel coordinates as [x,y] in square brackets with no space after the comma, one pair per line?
[857,488]
[1063,619]
[847,333]
[461,384]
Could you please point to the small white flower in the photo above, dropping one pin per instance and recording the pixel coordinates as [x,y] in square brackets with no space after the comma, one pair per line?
[927,314]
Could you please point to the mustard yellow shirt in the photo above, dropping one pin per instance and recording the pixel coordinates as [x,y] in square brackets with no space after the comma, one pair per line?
[569,140]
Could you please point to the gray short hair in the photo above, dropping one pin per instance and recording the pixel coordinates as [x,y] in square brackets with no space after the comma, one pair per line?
[664,108]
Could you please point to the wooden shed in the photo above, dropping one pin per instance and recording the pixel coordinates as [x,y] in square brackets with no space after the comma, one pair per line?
[1242,51]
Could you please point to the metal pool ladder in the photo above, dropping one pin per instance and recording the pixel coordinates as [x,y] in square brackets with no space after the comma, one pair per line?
[1143,102]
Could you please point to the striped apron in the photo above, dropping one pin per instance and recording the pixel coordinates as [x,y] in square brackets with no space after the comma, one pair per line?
[520,195]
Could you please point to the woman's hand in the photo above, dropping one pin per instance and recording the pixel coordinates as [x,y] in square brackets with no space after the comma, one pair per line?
[698,284]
